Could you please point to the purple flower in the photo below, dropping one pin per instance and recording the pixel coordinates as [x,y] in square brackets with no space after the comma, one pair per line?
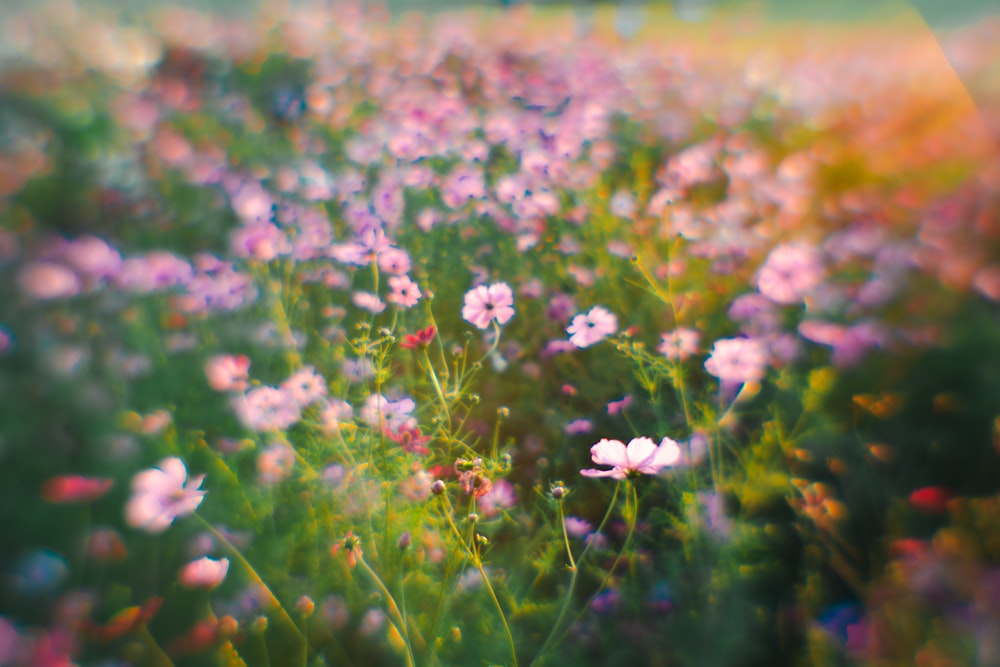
[679,344]
[485,304]
[160,495]
[593,327]
[579,427]
[640,456]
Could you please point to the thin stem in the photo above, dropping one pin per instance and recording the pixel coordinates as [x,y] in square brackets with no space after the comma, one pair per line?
[574,573]
[241,559]
[632,508]
[478,562]
[399,620]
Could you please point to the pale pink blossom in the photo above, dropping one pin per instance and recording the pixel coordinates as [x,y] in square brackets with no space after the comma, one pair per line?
[790,273]
[305,386]
[47,280]
[737,360]
[162,494]
[368,301]
[204,573]
[228,372]
[592,327]
[485,304]
[679,344]
[405,292]
[640,456]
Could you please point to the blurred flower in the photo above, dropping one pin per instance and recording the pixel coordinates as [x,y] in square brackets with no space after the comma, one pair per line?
[578,427]
[619,406]
[593,327]
[679,344]
[500,497]
[47,280]
[351,546]
[790,272]
[204,573]
[162,494]
[641,456]
[305,386]
[485,304]
[75,488]
[577,527]
[275,464]
[737,360]
[368,301]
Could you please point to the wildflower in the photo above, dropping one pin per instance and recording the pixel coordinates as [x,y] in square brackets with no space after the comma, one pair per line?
[265,408]
[410,439]
[395,261]
[593,327]
[227,372]
[485,304]
[275,464]
[368,301]
[351,546]
[500,497]
[737,360]
[577,527]
[421,339]
[47,280]
[336,412]
[405,292]
[74,488]
[641,456]
[790,272]
[304,386]
[619,406]
[204,573]
[394,415]
[578,427]
[162,494]
[679,344]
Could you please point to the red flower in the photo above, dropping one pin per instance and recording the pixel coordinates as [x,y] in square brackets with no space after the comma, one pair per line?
[410,439]
[421,339]
[74,488]
[931,499]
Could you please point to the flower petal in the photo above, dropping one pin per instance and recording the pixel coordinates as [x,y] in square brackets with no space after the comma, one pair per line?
[592,472]
[609,453]
[667,454]
[640,453]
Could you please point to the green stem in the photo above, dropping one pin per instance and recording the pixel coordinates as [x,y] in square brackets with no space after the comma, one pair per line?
[478,562]
[633,503]
[574,573]
[286,620]
[399,620]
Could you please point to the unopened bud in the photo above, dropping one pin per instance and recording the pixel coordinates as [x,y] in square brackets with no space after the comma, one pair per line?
[482,539]
[437,488]
[305,606]
[559,491]
[259,625]
[405,540]
[503,412]
[473,517]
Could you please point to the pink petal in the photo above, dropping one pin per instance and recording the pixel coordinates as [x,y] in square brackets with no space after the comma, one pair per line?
[667,454]
[640,453]
[609,453]
[591,472]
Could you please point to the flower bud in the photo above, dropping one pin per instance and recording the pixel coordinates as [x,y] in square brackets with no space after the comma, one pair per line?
[472,518]
[437,488]
[405,540]
[305,606]
[559,491]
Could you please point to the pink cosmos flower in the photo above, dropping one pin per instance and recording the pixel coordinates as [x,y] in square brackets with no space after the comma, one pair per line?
[368,301]
[161,494]
[485,304]
[228,372]
[578,427]
[405,292]
[593,327]
[204,573]
[679,344]
[640,456]
[791,272]
[305,386]
[47,280]
[737,360]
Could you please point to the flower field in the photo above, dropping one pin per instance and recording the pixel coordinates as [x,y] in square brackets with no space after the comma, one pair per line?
[330,336]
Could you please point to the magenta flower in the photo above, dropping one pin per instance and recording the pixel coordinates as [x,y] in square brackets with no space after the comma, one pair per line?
[485,304]
[592,327]
[160,495]
[641,456]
